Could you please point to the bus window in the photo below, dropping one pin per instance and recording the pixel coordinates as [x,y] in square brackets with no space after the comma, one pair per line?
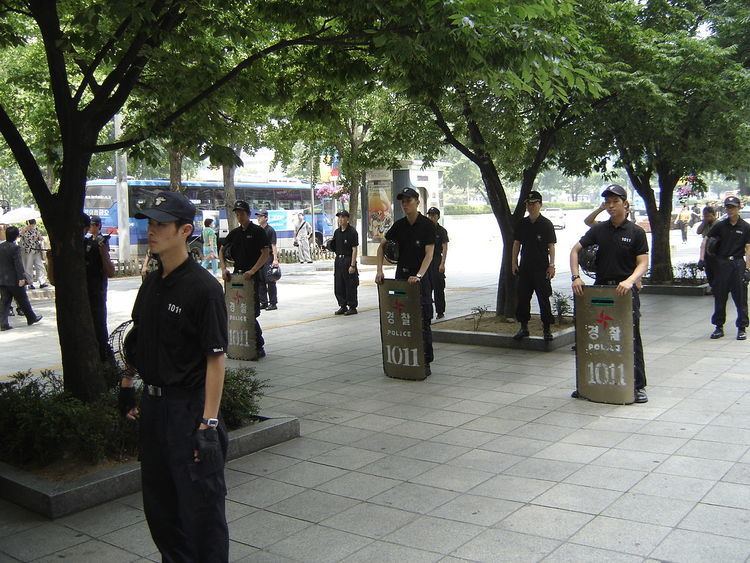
[100,197]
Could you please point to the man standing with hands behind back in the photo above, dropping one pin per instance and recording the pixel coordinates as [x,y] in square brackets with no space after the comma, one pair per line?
[535,239]
[180,321]
[345,243]
[415,236]
[621,261]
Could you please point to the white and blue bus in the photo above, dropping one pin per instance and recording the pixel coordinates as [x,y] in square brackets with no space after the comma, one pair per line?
[282,200]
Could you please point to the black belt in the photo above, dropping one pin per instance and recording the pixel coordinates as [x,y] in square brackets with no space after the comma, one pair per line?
[343,256]
[170,391]
[609,282]
[734,257]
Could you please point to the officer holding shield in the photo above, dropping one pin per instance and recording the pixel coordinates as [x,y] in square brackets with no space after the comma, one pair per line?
[415,236]
[621,261]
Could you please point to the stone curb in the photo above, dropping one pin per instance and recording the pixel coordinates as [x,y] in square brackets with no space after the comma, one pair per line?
[55,499]
[676,290]
[566,337]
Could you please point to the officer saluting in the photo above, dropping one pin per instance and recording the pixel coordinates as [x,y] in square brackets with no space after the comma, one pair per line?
[415,236]
[621,261]
[181,323]
[732,250]
[345,277]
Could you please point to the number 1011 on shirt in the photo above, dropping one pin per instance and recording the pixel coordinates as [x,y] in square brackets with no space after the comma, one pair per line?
[406,357]
[600,373]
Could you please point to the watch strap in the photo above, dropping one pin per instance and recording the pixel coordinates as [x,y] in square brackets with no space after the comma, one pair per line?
[210,422]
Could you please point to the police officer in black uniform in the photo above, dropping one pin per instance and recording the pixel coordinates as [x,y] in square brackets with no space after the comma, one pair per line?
[180,321]
[535,239]
[249,248]
[437,266]
[621,261]
[415,236]
[732,251]
[99,268]
[345,243]
[269,297]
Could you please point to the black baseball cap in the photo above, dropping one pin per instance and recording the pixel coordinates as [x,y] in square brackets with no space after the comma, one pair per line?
[262,212]
[732,200]
[433,211]
[241,205]
[408,192]
[95,220]
[343,213]
[168,207]
[534,196]
[615,189]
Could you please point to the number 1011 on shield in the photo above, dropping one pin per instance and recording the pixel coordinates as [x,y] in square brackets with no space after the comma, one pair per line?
[406,357]
[600,373]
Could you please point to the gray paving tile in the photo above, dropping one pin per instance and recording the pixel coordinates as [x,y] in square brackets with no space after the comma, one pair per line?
[576,453]
[576,497]
[548,469]
[493,462]
[615,478]
[358,485]
[312,506]
[385,443]
[398,467]
[545,521]
[419,430]
[493,424]
[590,437]
[694,467]
[712,450]
[318,543]
[719,520]
[374,422]
[504,545]
[573,553]
[649,509]
[725,435]
[135,539]
[382,552]
[627,459]
[340,434]
[40,541]
[740,473]
[621,535]
[507,487]
[616,424]
[652,444]
[452,478]
[370,520]
[102,519]
[672,486]
[301,448]
[307,474]
[479,510]
[671,429]
[447,418]
[696,547]
[414,497]
[234,478]
[262,492]
[347,457]
[236,510]
[264,528]
[92,551]
[434,534]
[517,412]
[14,519]
[516,445]
[537,431]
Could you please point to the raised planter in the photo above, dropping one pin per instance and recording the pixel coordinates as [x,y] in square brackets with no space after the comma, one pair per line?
[564,337]
[675,289]
[58,498]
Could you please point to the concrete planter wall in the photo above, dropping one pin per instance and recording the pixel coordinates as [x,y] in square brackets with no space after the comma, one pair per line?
[54,499]
[677,290]
[565,337]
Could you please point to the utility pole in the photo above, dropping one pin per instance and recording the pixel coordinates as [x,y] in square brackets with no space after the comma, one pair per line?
[123,203]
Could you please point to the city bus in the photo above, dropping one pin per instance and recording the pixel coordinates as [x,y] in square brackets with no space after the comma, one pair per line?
[283,200]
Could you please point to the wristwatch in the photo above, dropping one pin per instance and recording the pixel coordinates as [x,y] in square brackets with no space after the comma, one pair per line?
[210,422]
[418,276]
[575,277]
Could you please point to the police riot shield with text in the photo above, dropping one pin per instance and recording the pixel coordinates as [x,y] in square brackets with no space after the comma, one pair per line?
[401,330]
[240,299]
[604,345]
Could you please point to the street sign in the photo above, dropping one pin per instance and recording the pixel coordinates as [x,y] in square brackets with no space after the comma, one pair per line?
[239,294]
[604,345]
[401,330]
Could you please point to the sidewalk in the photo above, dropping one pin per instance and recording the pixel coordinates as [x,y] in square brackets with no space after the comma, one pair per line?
[488,459]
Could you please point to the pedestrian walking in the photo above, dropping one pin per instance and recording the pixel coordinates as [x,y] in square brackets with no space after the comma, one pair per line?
[683,221]
[535,241]
[269,297]
[345,243]
[180,321]
[210,251]
[13,281]
[729,239]
[249,249]
[437,266]
[32,246]
[415,236]
[621,261]
[302,233]
[707,261]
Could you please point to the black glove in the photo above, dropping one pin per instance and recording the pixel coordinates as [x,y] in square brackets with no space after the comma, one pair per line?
[746,276]
[126,400]
[701,264]
[208,446]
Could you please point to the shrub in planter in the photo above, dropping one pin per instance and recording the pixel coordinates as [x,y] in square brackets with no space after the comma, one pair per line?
[41,424]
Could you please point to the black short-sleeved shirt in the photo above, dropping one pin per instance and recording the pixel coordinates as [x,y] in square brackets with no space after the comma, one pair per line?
[732,238]
[618,248]
[441,236]
[535,238]
[270,234]
[96,279]
[181,319]
[344,242]
[412,240]
[246,245]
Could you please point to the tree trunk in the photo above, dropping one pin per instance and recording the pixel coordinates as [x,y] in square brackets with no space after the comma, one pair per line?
[743,182]
[230,194]
[175,169]
[355,185]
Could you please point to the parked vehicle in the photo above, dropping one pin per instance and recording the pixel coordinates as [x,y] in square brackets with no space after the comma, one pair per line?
[556,215]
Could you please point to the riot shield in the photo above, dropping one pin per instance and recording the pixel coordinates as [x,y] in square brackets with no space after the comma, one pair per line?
[401,330]
[604,345]
[239,294]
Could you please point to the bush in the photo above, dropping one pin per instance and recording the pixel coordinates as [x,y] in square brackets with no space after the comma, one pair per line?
[40,423]
[462,209]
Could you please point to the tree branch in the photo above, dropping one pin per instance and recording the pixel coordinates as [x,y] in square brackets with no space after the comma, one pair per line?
[449,136]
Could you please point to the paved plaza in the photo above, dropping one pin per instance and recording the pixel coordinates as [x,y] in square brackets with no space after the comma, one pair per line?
[489,459]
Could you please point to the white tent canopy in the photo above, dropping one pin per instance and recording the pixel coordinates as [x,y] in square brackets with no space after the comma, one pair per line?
[19,215]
